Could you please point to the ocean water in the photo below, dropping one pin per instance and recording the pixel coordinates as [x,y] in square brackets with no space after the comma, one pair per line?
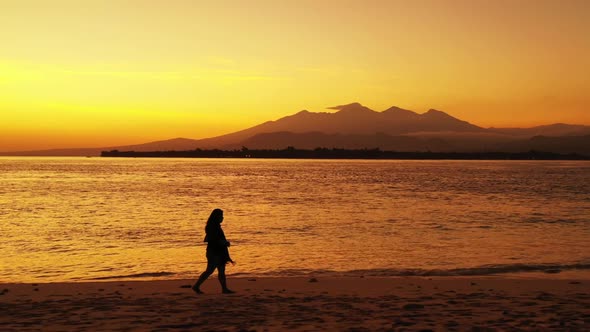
[77,219]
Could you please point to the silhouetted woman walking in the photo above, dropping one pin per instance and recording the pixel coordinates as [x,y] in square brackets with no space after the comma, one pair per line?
[217,252]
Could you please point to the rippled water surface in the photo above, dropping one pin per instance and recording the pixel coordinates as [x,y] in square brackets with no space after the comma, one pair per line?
[86,218]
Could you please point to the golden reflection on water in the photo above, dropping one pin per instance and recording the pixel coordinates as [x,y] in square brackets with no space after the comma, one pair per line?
[78,218]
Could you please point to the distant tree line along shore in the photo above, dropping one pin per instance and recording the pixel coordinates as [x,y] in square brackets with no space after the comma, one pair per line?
[334,153]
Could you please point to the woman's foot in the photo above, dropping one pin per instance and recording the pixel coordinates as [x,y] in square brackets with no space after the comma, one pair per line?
[227,291]
[197,290]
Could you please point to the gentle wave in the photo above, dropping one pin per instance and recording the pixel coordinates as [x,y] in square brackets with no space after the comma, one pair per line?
[473,271]
[137,275]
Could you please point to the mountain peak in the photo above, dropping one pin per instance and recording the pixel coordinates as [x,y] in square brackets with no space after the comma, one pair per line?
[443,119]
[436,113]
[399,110]
[395,109]
[351,108]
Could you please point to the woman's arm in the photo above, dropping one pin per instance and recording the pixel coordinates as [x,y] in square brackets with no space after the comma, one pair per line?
[223,240]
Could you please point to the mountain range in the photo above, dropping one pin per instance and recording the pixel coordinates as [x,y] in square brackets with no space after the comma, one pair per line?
[356,126]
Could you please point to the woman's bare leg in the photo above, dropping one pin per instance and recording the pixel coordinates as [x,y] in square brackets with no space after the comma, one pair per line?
[222,280]
[210,268]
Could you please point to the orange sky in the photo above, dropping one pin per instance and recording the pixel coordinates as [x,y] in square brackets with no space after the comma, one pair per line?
[100,73]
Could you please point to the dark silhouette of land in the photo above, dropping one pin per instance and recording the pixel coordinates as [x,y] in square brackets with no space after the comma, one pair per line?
[324,153]
[355,126]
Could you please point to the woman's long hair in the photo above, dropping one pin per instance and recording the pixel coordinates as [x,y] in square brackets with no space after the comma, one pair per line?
[214,218]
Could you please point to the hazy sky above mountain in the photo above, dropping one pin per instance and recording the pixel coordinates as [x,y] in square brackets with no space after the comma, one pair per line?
[97,73]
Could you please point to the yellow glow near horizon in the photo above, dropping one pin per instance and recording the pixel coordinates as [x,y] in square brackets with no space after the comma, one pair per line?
[100,73]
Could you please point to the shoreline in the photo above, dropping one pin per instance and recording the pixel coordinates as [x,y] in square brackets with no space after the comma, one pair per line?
[348,154]
[552,273]
[301,303]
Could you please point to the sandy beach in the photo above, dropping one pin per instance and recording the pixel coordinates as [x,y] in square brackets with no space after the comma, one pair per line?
[303,304]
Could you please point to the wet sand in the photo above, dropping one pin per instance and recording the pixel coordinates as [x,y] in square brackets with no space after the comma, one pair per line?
[276,304]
